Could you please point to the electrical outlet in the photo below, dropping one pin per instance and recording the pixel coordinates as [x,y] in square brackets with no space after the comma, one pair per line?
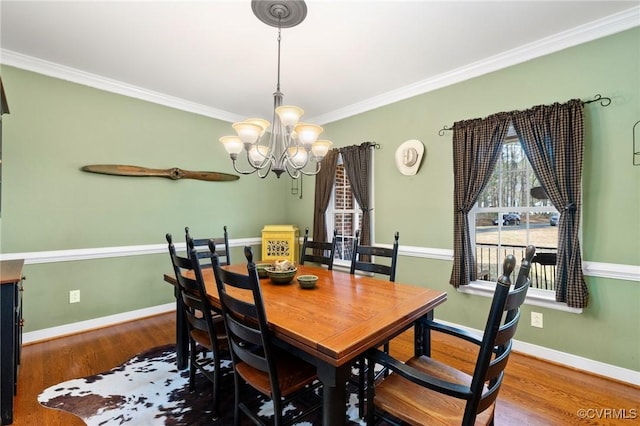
[536,319]
[74,296]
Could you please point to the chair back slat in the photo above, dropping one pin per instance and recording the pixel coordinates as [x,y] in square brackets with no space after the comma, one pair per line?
[374,268]
[507,331]
[489,397]
[239,306]
[246,344]
[497,365]
[193,311]
[361,258]
[517,297]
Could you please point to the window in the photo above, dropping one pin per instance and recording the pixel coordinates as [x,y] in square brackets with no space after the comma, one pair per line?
[511,213]
[343,215]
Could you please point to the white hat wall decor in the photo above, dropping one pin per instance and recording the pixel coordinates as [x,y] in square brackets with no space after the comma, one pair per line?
[409,157]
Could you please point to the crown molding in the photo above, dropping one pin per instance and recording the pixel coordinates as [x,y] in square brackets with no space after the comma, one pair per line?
[594,30]
[51,69]
[609,25]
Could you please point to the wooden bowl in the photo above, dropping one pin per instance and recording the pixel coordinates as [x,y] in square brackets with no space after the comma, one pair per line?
[307,281]
[281,277]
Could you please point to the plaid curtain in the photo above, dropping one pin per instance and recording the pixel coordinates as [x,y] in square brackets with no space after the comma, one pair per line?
[357,166]
[476,148]
[553,140]
[324,185]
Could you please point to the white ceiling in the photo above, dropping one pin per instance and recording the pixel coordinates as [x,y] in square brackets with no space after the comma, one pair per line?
[216,58]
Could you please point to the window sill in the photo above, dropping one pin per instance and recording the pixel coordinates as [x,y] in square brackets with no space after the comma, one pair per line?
[535,297]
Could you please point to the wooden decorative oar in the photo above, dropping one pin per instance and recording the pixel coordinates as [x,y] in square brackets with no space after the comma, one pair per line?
[174,173]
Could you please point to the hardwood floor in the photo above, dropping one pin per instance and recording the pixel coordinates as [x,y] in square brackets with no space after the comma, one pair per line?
[534,392]
[47,363]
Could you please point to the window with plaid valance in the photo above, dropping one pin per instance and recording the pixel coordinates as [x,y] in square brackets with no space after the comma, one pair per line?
[552,137]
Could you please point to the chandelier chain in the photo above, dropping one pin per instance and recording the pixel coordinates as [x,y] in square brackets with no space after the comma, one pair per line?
[279,39]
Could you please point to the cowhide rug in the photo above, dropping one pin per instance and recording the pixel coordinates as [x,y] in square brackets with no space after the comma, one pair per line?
[150,390]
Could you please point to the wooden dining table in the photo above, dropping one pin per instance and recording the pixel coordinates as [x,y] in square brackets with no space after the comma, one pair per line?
[330,325]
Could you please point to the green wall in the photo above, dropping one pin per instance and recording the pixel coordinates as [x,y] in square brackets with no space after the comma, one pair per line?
[420,206]
[55,127]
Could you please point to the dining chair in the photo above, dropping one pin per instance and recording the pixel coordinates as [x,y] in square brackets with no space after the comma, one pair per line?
[322,252]
[276,373]
[366,258]
[379,260]
[205,327]
[544,270]
[202,246]
[426,391]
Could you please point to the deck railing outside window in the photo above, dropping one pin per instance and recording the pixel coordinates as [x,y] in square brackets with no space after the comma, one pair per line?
[489,258]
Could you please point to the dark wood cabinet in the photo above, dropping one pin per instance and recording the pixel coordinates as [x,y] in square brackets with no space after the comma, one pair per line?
[10,334]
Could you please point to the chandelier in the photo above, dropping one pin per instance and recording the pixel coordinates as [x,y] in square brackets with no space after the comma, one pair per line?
[291,145]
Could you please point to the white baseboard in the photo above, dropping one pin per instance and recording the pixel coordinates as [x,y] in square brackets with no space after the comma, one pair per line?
[573,361]
[92,324]
[569,360]
[580,363]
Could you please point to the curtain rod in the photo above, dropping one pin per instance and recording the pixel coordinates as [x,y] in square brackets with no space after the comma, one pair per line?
[604,101]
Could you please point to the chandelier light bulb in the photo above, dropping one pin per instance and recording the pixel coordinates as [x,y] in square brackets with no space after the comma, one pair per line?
[260,122]
[289,114]
[248,132]
[298,156]
[307,133]
[320,149]
[257,154]
[232,144]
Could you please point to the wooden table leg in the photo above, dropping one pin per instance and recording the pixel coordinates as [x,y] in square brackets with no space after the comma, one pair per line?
[422,337]
[334,397]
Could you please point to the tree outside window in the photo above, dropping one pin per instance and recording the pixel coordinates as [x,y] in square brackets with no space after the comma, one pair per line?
[511,213]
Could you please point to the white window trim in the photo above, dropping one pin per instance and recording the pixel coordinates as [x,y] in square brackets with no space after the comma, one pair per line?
[535,296]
